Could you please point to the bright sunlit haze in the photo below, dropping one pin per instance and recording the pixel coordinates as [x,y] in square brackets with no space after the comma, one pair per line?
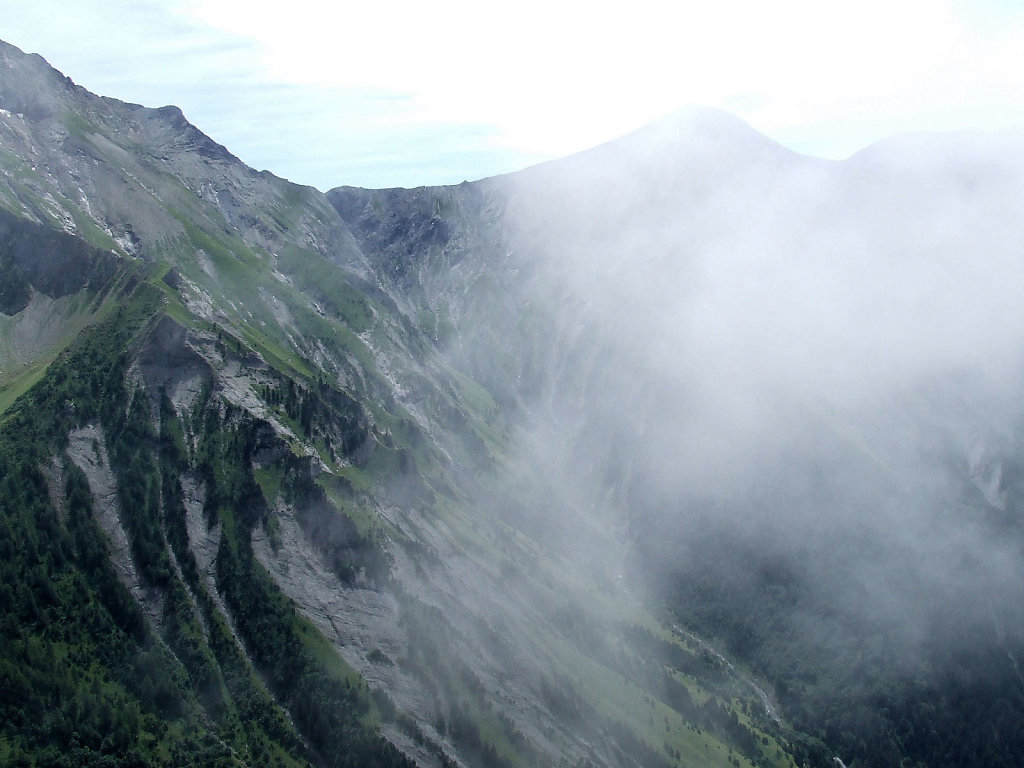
[404,94]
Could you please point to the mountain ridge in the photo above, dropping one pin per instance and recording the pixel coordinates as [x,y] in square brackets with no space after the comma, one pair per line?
[277,461]
[468,466]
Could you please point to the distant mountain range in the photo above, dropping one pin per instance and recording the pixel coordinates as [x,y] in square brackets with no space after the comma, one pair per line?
[686,450]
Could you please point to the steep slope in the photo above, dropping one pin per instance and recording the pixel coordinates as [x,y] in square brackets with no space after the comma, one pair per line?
[52,286]
[421,462]
[786,385]
[269,517]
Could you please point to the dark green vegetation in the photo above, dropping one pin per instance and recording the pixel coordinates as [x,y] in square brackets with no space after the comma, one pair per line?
[77,646]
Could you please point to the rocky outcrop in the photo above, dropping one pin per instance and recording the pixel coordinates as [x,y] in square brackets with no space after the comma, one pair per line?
[170,366]
[87,449]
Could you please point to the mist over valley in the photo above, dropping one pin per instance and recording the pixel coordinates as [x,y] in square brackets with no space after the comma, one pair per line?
[684,450]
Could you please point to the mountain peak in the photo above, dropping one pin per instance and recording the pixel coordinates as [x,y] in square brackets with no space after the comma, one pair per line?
[696,120]
[693,142]
[29,86]
[694,132]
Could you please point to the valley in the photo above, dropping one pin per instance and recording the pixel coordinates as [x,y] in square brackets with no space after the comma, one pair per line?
[684,451]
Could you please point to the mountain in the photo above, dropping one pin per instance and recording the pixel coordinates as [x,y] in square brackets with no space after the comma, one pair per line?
[687,450]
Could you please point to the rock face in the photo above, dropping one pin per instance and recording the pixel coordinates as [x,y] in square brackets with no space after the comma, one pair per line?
[456,465]
[87,449]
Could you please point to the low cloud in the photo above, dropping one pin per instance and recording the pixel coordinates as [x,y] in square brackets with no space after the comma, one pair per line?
[820,359]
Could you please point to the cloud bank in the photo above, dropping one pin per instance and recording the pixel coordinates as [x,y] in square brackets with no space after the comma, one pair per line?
[457,91]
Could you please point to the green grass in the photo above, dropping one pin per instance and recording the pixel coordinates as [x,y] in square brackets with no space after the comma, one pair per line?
[326,655]
[78,126]
[354,506]
[22,381]
[324,281]
[269,479]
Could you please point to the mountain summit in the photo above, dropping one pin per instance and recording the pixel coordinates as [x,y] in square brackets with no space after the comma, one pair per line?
[687,450]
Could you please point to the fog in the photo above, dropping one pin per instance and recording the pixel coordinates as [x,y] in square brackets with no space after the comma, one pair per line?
[813,365]
[772,394]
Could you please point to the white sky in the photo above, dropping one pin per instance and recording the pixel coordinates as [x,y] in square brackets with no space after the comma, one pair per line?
[401,93]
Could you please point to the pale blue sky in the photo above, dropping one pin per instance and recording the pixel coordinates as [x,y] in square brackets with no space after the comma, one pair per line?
[399,93]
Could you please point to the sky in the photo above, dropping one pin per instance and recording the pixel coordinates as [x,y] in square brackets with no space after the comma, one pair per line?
[401,93]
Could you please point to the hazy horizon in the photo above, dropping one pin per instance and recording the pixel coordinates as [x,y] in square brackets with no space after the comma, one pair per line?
[327,96]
